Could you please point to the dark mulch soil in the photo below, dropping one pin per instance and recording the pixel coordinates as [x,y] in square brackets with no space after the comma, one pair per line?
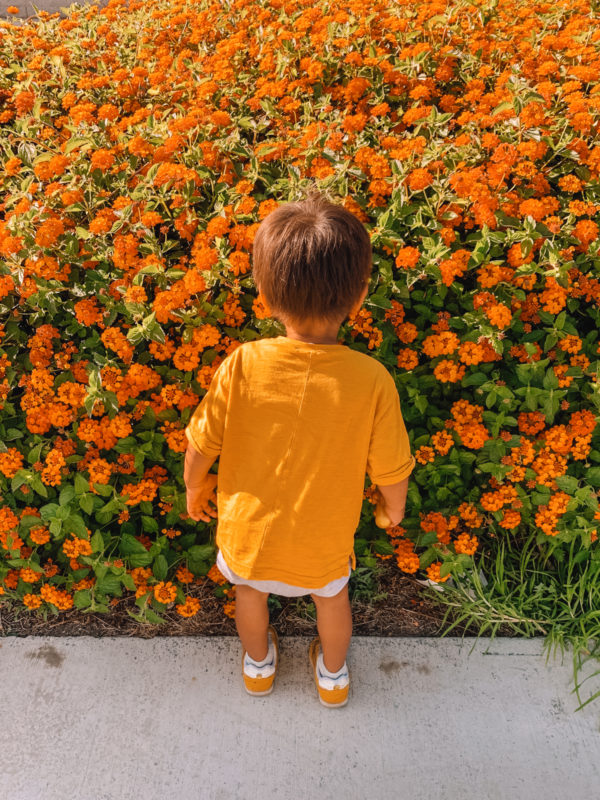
[407,610]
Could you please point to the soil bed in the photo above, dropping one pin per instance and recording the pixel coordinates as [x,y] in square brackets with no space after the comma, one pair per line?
[406,611]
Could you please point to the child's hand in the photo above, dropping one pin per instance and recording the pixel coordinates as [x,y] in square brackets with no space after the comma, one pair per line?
[198,499]
[381,518]
[382,513]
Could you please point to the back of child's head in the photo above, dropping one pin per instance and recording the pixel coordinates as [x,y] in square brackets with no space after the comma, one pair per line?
[311,260]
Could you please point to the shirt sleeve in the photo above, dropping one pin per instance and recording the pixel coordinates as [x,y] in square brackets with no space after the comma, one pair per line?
[205,428]
[390,459]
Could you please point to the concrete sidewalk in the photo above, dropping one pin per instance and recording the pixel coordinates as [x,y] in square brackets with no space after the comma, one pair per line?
[148,719]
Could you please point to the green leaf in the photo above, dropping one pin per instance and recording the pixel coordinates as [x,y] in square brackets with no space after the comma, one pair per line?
[86,503]
[551,405]
[160,568]
[75,524]
[140,559]
[490,400]
[34,453]
[97,542]
[504,106]
[109,584]
[201,552]
[421,403]
[130,545]
[592,476]
[550,379]
[152,617]
[81,484]
[149,524]
[567,483]
[103,489]
[20,477]
[378,300]
[446,567]
[383,546]
[66,495]
[38,486]
[128,582]
[82,599]
[474,380]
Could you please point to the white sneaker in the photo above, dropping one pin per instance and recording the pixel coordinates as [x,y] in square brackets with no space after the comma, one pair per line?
[326,682]
[251,670]
[332,693]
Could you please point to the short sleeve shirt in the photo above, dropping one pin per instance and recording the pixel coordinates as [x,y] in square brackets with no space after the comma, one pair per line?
[296,426]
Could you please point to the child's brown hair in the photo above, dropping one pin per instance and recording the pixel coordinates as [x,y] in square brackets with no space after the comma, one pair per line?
[311,260]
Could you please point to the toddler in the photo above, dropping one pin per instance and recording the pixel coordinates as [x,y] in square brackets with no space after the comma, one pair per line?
[297,420]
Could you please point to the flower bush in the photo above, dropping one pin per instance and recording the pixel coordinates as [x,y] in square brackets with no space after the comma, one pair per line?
[141,147]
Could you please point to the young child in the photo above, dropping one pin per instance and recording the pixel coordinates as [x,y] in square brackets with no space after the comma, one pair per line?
[297,420]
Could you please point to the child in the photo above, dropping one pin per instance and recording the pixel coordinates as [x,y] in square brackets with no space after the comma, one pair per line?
[296,421]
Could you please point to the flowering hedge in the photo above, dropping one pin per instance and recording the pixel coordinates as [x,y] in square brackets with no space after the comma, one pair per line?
[139,151]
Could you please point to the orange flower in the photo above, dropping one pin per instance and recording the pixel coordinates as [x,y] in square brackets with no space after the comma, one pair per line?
[466,544]
[499,315]
[419,179]
[443,343]
[586,230]
[442,441]
[433,572]
[164,592]
[449,372]
[425,455]
[471,353]
[189,608]
[407,359]
[531,422]
[407,257]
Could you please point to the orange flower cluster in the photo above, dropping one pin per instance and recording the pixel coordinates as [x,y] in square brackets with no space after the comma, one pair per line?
[442,441]
[433,572]
[406,558]
[164,592]
[189,608]
[425,455]
[467,422]
[11,462]
[136,493]
[76,546]
[470,516]
[464,543]
[362,322]
[435,521]
[484,242]
[548,516]
[56,597]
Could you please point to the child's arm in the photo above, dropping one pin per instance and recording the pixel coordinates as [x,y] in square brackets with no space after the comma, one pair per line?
[205,437]
[199,484]
[196,467]
[391,511]
[390,460]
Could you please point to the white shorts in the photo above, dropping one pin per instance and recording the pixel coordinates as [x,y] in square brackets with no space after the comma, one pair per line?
[284,589]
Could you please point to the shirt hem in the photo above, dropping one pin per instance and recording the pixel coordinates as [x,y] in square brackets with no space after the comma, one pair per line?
[204,451]
[399,476]
[292,579]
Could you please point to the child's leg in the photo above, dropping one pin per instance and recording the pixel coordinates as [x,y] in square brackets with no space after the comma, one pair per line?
[334,623]
[252,620]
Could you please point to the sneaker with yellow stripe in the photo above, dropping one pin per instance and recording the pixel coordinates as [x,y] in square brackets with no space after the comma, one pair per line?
[333,691]
[259,677]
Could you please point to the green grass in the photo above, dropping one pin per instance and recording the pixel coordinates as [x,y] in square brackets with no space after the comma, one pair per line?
[558,598]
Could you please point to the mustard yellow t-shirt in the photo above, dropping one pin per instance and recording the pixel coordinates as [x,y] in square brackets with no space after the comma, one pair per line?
[296,426]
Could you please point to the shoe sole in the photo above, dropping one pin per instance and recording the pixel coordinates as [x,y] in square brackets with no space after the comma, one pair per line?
[249,682]
[313,654]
